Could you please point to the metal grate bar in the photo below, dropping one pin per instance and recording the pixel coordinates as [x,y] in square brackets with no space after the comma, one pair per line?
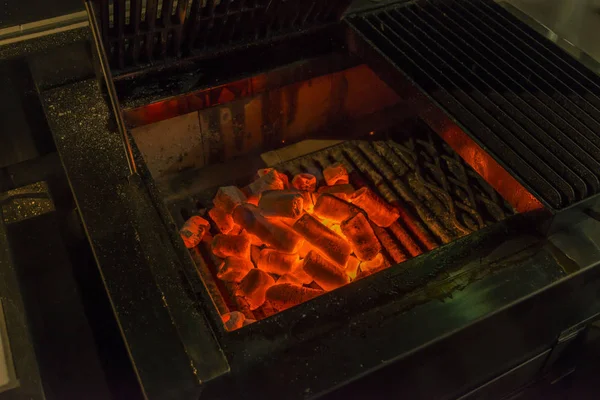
[587,84]
[549,49]
[158,29]
[135,18]
[150,22]
[560,92]
[452,98]
[533,108]
[517,138]
[520,76]
[524,128]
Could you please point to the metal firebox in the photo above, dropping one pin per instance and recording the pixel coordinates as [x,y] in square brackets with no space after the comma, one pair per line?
[192,95]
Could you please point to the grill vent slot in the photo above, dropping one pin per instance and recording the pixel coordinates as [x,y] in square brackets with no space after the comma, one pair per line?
[142,31]
[520,97]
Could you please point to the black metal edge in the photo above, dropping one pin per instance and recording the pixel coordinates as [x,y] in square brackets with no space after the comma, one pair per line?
[172,347]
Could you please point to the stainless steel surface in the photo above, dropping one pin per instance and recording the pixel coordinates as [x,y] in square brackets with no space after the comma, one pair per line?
[572,24]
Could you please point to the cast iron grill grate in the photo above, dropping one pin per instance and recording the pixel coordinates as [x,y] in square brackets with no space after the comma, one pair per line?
[137,32]
[532,106]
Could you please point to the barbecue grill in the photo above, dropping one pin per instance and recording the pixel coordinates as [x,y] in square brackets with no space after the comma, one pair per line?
[482,136]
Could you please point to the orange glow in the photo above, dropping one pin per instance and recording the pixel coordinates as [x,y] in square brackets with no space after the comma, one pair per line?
[290,278]
[286,295]
[228,198]
[231,246]
[378,210]
[352,267]
[299,273]
[193,231]
[489,169]
[397,254]
[335,174]
[254,287]
[234,269]
[364,242]
[223,220]
[407,241]
[233,320]
[306,247]
[334,209]
[276,262]
[274,234]
[288,253]
[372,266]
[327,274]
[279,203]
[306,182]
[323,239]
[342,191]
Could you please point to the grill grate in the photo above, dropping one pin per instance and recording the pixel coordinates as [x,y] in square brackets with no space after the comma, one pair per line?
[141,31]
[440,197]
[533,107]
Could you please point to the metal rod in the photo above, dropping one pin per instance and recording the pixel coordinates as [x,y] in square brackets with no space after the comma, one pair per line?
[112,93]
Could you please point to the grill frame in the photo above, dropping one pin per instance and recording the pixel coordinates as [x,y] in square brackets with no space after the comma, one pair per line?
[487,110]
[295,360]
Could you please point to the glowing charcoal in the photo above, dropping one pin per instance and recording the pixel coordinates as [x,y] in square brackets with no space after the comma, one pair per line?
[327,242]
[286,295]
[334,209]
[228,197]
[193,231]
[335,174]
[222,219]
[275,235]
[359,232]
[234,269]
[231,246]
[327,275]
[276,262]
[378,210]
[305,182]
[254,287]
[279,203]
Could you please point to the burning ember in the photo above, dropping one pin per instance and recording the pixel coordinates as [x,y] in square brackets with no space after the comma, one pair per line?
[310,227]
[282,244]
